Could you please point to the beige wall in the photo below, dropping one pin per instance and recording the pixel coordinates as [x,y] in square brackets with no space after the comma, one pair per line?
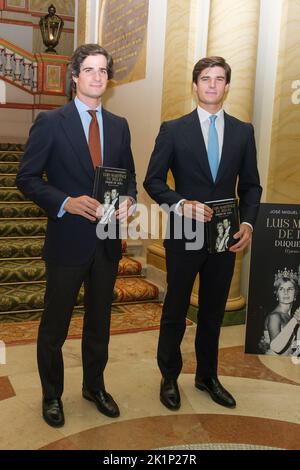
[15,123]
[233,34]
[181,42]
[81,22]
[140,101]
[284,164]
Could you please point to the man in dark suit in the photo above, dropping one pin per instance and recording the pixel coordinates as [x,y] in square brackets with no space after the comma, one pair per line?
[67,144]
[208,152]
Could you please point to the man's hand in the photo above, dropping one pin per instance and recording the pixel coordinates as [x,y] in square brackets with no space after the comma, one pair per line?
[100,211]
[124,209]
[82,205]
[196,210]
[244,235]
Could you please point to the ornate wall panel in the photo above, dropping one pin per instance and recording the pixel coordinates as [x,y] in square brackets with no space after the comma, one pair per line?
[123,32]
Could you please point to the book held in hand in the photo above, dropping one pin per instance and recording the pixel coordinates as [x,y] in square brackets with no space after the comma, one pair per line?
[109,185]
[223,225]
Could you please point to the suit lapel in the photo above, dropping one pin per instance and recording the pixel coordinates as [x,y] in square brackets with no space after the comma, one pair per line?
[73,128]
[108,137]
[194,138]
[227,144]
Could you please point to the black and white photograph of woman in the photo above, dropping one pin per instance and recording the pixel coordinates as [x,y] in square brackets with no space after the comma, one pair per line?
[109,206]
[220,240]
[223,235]
[281,335]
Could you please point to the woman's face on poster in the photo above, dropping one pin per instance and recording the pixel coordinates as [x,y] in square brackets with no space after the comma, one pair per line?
[286,292]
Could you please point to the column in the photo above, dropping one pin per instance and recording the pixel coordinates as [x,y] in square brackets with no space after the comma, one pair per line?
[186,35]
[233,34]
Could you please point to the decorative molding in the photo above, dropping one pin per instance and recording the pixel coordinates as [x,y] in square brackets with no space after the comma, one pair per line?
[9,7]
[6,6]
[40,14]
[30,24]
[28,106]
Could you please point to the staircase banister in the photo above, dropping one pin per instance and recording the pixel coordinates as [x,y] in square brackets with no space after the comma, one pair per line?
[17,50]
[39,74]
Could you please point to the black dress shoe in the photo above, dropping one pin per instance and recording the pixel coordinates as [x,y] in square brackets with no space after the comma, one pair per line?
[53,412]
[169,394]
[216,391]
[104,402]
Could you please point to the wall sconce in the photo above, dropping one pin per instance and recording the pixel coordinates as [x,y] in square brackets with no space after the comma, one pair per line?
[51,27]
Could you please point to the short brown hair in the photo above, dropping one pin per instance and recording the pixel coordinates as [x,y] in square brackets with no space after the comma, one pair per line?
[208,62]
[84,51]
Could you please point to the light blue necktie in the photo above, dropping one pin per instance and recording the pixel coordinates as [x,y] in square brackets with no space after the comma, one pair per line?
[213,147]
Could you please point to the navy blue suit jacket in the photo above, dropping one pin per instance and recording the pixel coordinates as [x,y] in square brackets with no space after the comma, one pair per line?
[180,147]
[57,146]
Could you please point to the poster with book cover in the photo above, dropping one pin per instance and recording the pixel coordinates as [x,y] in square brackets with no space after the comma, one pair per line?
[223,225]
[109,185]
[273,313]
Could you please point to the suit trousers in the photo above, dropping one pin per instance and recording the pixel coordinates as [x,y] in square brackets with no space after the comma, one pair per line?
[62,288]
[216,271]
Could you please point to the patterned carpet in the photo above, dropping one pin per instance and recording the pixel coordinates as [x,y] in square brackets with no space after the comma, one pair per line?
[129,318]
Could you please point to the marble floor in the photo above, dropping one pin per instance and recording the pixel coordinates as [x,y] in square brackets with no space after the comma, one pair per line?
[267,390]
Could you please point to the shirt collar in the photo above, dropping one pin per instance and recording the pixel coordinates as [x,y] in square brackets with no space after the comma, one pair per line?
[204,115]
[82,107]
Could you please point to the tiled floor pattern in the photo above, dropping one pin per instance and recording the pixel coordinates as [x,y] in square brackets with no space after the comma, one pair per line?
[267,390]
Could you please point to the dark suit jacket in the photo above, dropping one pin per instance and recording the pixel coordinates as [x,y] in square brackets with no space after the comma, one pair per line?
[58,146]
[180,147]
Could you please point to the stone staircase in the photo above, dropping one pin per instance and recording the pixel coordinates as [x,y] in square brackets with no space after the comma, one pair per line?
[22,272]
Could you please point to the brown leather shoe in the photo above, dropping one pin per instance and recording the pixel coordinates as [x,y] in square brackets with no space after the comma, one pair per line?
[169,394]
[216,391]
[104,402]
[53,412]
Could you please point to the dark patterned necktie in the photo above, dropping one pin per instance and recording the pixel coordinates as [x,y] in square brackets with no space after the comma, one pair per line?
[94,140]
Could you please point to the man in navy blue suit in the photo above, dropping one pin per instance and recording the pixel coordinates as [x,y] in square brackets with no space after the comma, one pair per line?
[210,154]
[62,144]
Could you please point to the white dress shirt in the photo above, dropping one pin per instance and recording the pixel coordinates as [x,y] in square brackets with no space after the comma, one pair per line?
[205,123]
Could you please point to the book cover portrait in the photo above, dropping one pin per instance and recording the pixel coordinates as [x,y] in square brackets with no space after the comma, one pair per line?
[223,225]
[273,313]
[109,185]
